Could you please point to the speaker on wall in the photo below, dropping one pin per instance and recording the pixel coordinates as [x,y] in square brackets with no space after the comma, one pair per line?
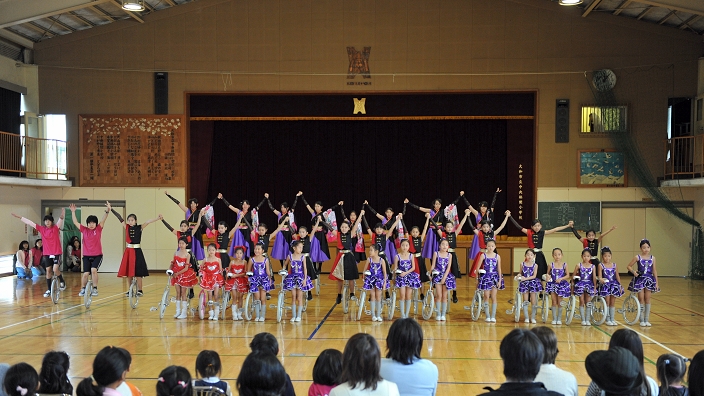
[161,93]
[562,121]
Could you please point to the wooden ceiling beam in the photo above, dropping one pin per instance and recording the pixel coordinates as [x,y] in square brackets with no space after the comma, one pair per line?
[624,4]
[666,17]
[591,8]
[130,13]
[644,12]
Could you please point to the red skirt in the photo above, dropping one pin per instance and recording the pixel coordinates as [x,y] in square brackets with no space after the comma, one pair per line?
[186,279]
[133,264]
[475,265]
[239,284]
[208,281]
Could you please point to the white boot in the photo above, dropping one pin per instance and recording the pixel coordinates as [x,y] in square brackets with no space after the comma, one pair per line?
[184,310]
[216,316]
[178,309]
[210,315]
[234,311]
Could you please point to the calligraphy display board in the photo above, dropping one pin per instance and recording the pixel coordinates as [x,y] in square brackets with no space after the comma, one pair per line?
[132,150]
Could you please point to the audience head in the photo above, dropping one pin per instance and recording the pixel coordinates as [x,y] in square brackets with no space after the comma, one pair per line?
[53,377]
[261,375]
[21,379]
[3,371]
[361,362]
[328,368]
[671,370]
[695,379]
[404,341]
[616,371]
[548,338]
[208,364]
[629,339]
[110,367]
[522,354]
[265,342]
[174,381]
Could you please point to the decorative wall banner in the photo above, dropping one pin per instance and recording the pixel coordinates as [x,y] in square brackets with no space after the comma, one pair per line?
[359,62]
[601,168]
[129,150]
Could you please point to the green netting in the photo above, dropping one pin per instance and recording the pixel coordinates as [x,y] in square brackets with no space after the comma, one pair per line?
[631,81]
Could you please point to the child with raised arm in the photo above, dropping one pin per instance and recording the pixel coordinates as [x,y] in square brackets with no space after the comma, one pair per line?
[345,257]
[592,242]
[536,234]
[282,244]
[485,212]
[483,234]
[51,254]
[92,246]
[450,233]
[133,263]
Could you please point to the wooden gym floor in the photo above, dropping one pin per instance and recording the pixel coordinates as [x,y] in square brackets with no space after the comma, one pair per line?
[466,352]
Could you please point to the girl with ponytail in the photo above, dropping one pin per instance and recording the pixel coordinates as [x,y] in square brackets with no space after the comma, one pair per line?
[53,377]
[110,368]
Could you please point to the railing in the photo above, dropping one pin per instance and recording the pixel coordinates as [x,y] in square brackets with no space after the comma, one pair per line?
[684,157]
[33,157]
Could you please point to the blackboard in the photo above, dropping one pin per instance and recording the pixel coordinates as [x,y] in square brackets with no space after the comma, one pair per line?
[586,215]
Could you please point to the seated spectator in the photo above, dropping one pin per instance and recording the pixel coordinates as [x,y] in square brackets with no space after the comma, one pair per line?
[522,354]
[262,375]
[629,339]
[22,261]
[110,368]
[361,362]
[36,253]
[326,372]
[671,370]
[403,365]
[695,378]
[616,371]
[3,371]
[73,255]
[21,379]
[208,366]
[267,342]
[553,378]
[174,381]
[53,377]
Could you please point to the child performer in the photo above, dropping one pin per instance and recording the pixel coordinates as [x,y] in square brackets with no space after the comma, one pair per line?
[382,236]
[319,232]
[558,284]
[645,280]
[592,242]
[311,248]
[486,212]
[444,280]
[483,234]
[192,214]
[261,237]
[451,235]
[359,250]
[346,258]
[297,280]
[492,280]
[437,218]
[407,280]
[236,282]
[92,246]
[261,279]
[282,245]
[211,280]
[183,277]
[51,254]
[375,280]
[385,219]
[609,284]
[535,241]
[529,285]
[584,287]
[133,263]
[189,235]
[416,246]
[246,226]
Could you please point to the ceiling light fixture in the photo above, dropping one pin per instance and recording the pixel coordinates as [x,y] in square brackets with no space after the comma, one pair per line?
[570,2]
[133,5]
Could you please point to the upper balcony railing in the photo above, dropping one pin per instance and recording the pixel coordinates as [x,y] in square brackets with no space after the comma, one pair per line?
[33,157]
[684,157]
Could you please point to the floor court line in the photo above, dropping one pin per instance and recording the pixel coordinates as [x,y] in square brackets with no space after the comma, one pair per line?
[321,322]
[677,306]
[654,341]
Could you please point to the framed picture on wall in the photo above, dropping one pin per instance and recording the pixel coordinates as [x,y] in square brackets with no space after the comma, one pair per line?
[601,168]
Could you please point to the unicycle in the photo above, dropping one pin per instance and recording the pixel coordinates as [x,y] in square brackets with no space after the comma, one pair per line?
[202,303]
[571,305]
[132,293]
[317,286]
[55,289]
[517,302]
[429,300]
[631,309]
[88,296]
[224,303]
[599,310]
[544,305]
[165,298]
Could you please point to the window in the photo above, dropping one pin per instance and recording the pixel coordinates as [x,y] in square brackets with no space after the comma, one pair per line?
[700,103]
[599,120]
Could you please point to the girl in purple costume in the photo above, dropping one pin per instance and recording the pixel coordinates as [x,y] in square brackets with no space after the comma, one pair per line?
[375,280]
[246,226]
[645,280]
[297,280]
[492,280]
[585,286]
[558,284]
[408,279]
[238,240]
[322,254]
[609,284]
[261,279]
[282,245]
[486,212]
[437,220]
[311,248]
[444,280]
[529,285]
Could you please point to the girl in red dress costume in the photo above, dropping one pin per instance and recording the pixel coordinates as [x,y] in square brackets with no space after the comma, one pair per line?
[236,282]
[211,280]
[183,277]
[133,263]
